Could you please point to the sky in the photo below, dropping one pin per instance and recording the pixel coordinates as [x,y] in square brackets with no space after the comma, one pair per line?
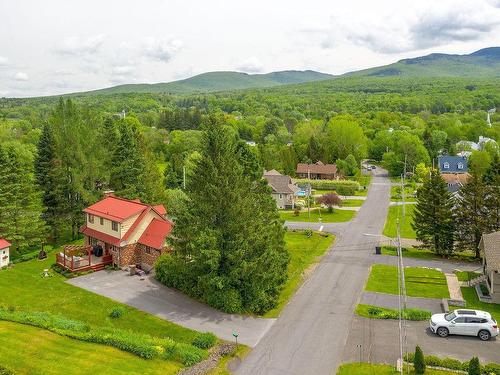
[60,46]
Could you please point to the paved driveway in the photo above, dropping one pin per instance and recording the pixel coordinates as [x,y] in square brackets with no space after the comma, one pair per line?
[151,296]
[379,340]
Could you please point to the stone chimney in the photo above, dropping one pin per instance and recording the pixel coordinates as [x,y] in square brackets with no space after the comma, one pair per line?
[109,193]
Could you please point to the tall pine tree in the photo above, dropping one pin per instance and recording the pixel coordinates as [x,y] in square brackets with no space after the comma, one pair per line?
[228,243]
[433,218]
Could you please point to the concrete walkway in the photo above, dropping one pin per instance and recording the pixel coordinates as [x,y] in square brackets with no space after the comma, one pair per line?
[150,296]
[390,301]
[454,287]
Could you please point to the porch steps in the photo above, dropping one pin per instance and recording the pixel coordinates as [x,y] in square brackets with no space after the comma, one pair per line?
[97,267]
[477,280]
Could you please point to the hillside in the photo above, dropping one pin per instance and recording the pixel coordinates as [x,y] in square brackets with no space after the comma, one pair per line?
[482,63]
[218,81]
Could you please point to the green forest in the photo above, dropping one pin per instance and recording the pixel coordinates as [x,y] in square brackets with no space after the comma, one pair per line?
[58,154]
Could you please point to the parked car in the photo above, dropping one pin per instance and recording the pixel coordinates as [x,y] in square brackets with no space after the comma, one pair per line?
[465,322]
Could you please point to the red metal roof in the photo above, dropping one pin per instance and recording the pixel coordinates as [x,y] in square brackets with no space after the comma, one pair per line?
[115,208]
[100,236]
[160,209]
[4,243]
[156,233]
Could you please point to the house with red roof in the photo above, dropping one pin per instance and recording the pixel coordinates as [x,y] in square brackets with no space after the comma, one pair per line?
[4,252]
[120,231]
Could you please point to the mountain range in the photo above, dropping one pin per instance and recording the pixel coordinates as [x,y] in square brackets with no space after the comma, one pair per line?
[482,63]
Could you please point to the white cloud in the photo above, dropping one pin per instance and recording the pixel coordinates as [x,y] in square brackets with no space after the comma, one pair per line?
[4,61]
[80,46]
[251,65]
[161,49]
[21,76]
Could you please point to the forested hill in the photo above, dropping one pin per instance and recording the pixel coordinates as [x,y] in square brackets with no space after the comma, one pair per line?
[482,63]
[218,81]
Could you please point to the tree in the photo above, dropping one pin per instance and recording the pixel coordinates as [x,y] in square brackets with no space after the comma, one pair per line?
[348,167]
[471,215]
[329,200]
[492,195]
[433,218]
[20,215]
[474,367]
[407,148]
[419,361]
[228,242]
[479,162]
[345,137]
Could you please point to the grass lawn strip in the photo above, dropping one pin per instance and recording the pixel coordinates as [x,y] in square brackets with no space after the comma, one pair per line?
[412,252]
[395,212]
[336,216]
[352,202]
[420,282]
[376,312]
[466,275]
[30,350]
[304,252]
[378,369]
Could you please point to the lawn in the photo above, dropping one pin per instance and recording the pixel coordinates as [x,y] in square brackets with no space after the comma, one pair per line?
[326,217]
[473,302]
[23,288]
[352,202]
[412,252]
[397,197]
[390,224]
[378,369]
[304,252]
[29,350]
[466,275]
[420,282]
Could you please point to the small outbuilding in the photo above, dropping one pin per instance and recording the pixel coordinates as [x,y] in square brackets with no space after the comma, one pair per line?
[4,253]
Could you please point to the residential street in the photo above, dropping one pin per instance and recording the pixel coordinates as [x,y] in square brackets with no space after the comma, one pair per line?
[310,335]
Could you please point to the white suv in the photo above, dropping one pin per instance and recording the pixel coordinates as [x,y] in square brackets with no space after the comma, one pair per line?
[465,322]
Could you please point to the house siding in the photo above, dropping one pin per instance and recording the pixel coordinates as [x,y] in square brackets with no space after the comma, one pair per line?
[126,224]
[4,257]
[142,226]
[286,200]
[105,228]
[495,296]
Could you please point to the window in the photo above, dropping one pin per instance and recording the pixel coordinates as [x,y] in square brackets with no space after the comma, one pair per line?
[91,218]
[446,165]
[147,250]
[114,226]
[460,166]
[460,319]
[475,320]
[281,196]
[101,220]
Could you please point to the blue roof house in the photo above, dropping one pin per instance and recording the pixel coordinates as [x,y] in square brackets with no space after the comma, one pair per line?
[452,164]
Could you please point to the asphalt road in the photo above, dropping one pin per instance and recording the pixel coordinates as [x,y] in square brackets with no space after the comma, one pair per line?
[310,335]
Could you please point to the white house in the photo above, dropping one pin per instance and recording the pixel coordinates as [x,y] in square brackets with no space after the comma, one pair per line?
[4,253]
[283,189]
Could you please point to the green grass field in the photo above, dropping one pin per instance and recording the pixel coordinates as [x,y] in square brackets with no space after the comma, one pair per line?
[412,252]
[466,275]
[420,282]
[397,197]
[304,252]
[335,217]
[352,202]
[390,228]
[29,350]
[377,369]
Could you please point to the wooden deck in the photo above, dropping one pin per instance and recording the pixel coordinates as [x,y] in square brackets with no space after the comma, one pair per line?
[84,263]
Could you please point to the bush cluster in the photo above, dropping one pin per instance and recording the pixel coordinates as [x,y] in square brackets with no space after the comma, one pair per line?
[342,187]
[408,314]
[455,364]
[204,340]
[67,273]
[142,345]
[116,312]
[6,371]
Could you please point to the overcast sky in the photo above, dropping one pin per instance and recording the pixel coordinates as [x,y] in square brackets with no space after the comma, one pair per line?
[59,46]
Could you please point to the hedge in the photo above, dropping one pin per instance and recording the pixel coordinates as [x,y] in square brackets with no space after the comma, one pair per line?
[142,345]
[342,187]
[6,371]
[455,364]
[376,312]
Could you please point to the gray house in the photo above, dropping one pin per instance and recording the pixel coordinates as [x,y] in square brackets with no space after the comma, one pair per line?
[452,164]
[284,190]
[490,248]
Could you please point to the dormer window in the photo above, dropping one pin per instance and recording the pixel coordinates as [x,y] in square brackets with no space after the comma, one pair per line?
[446,165]
[91,218]
[460,165]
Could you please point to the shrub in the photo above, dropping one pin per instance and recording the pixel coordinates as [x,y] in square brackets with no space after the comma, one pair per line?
[308,233]
[492,368]
[342,187]
[374,311]
[419,361]
[204,340]
[186,354]
[6,371]
[416,314]
[474,367]
[296,211]
[116,312]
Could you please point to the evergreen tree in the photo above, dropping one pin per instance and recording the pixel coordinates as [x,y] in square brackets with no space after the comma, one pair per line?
[433,219]
[419,361]
[228,242]
[248,161]
[20,217]
[471,214]
[474,367]
[492,195]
